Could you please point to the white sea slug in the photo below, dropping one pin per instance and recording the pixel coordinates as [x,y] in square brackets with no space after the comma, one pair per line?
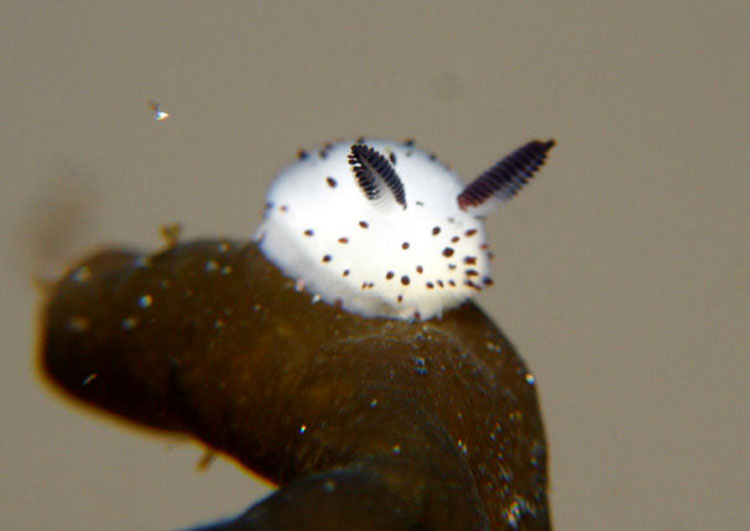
[382,228]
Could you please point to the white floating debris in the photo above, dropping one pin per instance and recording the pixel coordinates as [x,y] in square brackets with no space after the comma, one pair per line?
[159,114]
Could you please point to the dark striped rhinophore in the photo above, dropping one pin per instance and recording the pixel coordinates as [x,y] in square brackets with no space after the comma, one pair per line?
[506,177]
[375,175]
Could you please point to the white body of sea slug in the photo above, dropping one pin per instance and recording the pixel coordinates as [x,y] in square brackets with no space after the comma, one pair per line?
[382,228]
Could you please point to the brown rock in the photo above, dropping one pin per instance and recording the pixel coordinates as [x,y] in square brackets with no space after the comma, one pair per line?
[365,423]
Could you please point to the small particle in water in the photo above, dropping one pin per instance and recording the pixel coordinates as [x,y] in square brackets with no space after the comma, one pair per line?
[145,301]
[208,457]
[257,307]
[516,509]
[187,293]
[164,284]
[302,429]
[82,274]
[211,266]
[329,485]
[537,454]
[515,415]
[316,298]
[88,379]
[493,347]
[219,323]
[374,402]
[223,247]
[142,261]
[396,449]
[159,114]
[170,233]
[78,323]
[299,285]
[129,323]
[530,378]
[226,270]
[513,514]
[463,446]
[421,365]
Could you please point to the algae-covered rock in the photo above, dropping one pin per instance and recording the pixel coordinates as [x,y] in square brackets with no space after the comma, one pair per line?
[365,423]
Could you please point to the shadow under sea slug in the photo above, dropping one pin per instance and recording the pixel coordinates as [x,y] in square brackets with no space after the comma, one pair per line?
[337,355]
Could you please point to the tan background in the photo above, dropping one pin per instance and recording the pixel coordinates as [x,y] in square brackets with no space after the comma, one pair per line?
[622,272]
